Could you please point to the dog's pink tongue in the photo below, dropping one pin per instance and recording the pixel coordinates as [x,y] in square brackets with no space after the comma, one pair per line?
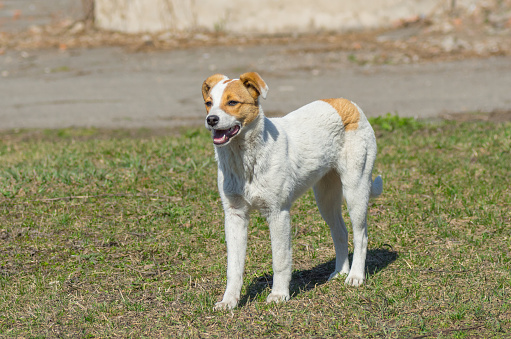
[220,136]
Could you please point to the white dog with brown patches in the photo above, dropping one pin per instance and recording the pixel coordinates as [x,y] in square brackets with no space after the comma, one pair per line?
[266,164]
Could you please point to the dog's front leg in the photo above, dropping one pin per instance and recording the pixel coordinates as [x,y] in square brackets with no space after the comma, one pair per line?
[236,224]
[280,232]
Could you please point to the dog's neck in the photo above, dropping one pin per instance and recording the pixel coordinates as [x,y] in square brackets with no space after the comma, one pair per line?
[241,155]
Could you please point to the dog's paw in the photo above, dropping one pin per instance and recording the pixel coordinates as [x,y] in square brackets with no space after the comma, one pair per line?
[225,305]
[277,298]
[354,280]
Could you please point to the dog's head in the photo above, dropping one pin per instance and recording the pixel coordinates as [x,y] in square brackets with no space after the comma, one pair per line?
[232,104]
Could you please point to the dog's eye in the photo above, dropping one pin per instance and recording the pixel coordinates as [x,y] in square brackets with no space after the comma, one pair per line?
[209,103]
[232,103]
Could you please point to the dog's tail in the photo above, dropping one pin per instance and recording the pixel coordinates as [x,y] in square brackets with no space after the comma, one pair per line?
[377,187]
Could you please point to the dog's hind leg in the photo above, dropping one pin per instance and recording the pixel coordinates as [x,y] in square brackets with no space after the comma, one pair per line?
[357,199]
[357,186]
[328,193]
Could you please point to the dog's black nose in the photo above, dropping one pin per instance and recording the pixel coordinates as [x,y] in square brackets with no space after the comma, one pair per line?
[212,120]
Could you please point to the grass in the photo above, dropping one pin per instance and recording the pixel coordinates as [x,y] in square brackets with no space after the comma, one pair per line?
[120,234]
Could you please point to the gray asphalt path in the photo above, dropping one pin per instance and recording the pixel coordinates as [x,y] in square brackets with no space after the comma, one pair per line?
[111,88]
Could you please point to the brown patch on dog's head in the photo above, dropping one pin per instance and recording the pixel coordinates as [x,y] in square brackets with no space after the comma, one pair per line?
[239,98]
[347,110]
[238,101]
[254,84]
[208,84]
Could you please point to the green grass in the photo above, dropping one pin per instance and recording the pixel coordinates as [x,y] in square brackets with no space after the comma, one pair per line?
[120,233]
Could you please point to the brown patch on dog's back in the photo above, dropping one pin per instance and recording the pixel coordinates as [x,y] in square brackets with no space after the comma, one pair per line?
[347,110]
[247,108]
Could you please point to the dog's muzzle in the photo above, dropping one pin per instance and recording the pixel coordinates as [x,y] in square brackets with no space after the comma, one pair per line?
[221,136]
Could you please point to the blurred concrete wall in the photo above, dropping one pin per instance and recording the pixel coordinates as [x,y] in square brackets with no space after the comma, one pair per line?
[256,16]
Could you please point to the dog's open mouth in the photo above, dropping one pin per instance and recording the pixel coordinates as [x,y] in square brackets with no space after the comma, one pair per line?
[222,136]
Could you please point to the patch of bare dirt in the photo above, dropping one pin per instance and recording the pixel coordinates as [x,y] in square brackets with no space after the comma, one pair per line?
[497,116]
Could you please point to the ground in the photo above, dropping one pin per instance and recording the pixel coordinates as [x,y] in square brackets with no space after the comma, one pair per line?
[117,231]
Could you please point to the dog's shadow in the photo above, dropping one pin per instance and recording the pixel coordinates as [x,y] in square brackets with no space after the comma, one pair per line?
[305,280]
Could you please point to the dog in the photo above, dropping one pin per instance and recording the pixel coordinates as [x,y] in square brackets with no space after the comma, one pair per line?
[266,164]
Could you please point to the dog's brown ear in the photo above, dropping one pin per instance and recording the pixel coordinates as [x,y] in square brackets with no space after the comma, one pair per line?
[210,82]
[255,84]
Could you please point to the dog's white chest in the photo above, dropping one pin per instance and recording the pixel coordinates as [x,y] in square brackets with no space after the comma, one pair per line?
[255,197]
[251,192]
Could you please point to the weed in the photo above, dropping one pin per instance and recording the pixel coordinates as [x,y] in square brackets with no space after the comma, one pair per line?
[390,122]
